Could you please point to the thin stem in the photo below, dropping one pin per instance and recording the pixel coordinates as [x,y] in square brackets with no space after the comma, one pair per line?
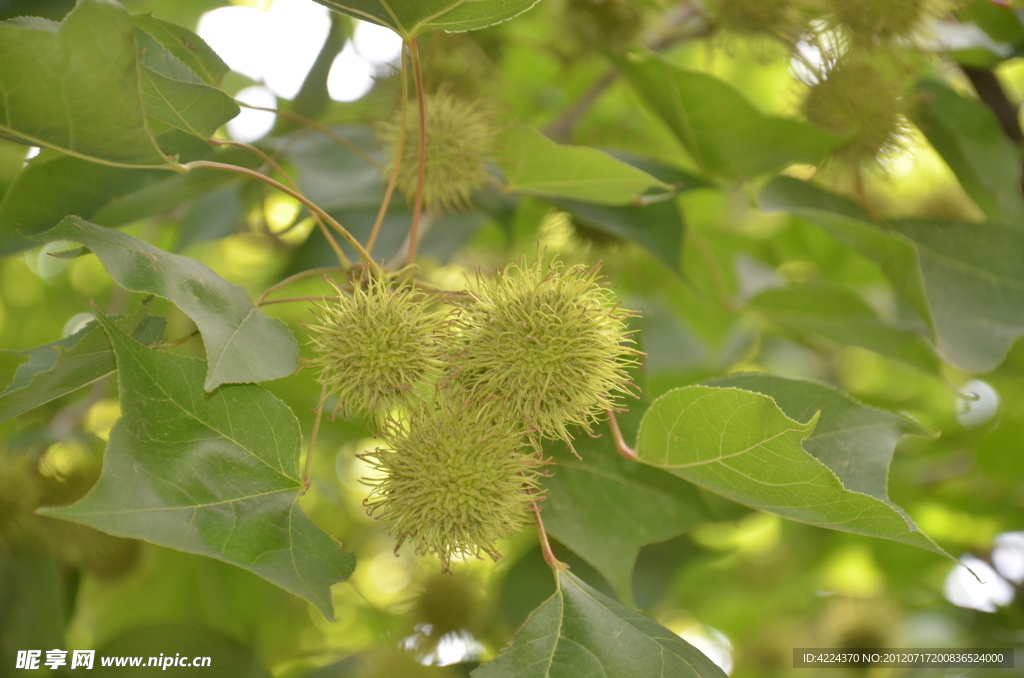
[342,259]
[298,276]
[313,207]
[545,545]
[417,207]
[326,131]
[399,154]
[307,472]
[620,442]
[175,342]
[288,300]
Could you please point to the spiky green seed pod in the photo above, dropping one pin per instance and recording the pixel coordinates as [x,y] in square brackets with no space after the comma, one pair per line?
[863,100]
[549,343]
[459,139]
[375,346]
[874,21]
[454,478]
[781,19]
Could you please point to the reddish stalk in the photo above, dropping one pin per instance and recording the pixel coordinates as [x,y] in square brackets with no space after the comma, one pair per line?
[307,472]
[417,207]
[545,545]
[620,442]
[288,300]
[399,153]
[342,259]
[292,278]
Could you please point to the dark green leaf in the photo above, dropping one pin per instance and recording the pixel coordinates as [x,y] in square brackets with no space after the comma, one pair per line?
[534,164]
[723,132]
[854,440]
[969,138]
[212,216]
[63,366]
[605,508]
[740,445]
[186,46]
[215,474]
[839,314]
[580,633]
[966,281]
[54,186]
[242,344]
[657,227]
[408,18]
[74,86]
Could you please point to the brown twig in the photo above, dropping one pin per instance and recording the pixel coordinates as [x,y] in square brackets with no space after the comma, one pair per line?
[545,545]
[288,300]
[298,276]
[399,153]
[342,259]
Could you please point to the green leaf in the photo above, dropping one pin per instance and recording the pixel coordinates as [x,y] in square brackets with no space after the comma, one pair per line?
[53,186]
[740,445]
[409,18]
[216,474]
[74,86]
[189,106]
[63,366]
[186,46]
[840,315]
[854,440]
[580,632]
[242,344]
[969,138]
[966,281]
[657,227]
[723,132]
[534,164]
[605,508]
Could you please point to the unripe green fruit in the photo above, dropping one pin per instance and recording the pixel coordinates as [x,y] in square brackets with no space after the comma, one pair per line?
[773,18]
[864,101]
[869,21]
[375,346]
[459,138]
[551,344]
[455,478]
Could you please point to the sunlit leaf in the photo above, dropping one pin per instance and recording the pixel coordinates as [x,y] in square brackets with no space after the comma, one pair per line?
[535,164]
[63,366]
[242,344]
[718,126]
[408,18]
[580,632]
[186,46]
[170,445]
[739,444]
[854,440]
[74,86]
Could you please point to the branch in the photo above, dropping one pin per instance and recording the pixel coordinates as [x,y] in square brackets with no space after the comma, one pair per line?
[990,91]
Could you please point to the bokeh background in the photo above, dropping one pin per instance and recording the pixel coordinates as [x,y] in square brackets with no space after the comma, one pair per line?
[746,588]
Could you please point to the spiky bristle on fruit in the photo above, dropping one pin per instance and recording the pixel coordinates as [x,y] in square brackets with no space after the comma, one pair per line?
[454,477]
[375,346]
[548,342]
